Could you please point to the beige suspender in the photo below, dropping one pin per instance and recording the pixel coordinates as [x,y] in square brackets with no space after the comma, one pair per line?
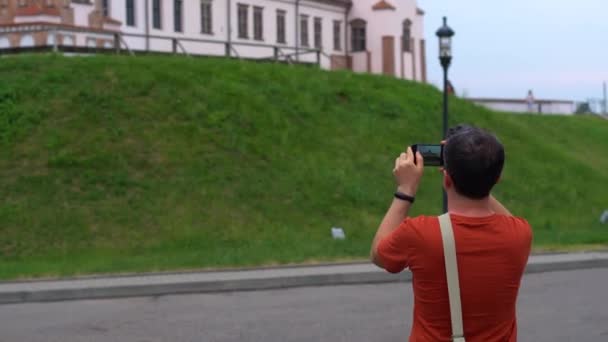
[451,271]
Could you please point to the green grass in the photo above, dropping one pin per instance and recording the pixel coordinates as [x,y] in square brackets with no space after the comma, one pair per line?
[119,164]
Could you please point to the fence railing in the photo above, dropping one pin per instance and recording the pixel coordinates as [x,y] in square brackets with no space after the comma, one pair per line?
[120,44]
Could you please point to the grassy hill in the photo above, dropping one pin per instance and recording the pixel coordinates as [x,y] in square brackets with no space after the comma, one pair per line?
[111,164]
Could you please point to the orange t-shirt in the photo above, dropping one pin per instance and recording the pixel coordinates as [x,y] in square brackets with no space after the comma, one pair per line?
[492,253]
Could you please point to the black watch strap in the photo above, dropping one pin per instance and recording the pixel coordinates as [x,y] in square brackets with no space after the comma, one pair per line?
[404,197]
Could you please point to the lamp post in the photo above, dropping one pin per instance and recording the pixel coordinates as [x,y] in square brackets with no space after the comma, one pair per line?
[445,34]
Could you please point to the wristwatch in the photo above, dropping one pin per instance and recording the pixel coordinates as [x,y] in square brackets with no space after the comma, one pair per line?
[404,197]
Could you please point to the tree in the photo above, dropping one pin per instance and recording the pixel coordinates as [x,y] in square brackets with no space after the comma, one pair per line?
[583,108]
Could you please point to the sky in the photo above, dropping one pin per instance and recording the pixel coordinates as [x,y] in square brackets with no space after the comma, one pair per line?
[557,48]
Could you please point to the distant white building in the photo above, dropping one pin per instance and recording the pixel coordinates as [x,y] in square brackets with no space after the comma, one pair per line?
[375,36]
[540,106]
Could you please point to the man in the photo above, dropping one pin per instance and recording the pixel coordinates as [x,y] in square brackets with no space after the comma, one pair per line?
[492,246]
[530,101]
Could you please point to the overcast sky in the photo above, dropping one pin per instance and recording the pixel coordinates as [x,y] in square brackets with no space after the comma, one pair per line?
[558,48]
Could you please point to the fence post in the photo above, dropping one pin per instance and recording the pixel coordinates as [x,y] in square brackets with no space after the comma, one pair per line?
[55,47]
[174,40]
[117,43]
[276,53]
[319,58]
[228,52]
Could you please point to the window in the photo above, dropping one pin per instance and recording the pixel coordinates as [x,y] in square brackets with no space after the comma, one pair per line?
[3,3]
[258,23]
[337,35]
[318,32]
[407,36]
[206,17]
[177,15]
[105,8]
[358,27]
[22,3]
[281,27]
[304,30]
[242,17]
[50,3]
[91,42]
[156,14]
[69,41]
[130,12]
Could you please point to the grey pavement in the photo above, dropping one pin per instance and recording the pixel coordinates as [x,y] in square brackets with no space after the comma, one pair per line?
[554,306]
[246,280]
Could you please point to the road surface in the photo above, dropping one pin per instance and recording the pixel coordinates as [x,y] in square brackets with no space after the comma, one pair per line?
[558,306]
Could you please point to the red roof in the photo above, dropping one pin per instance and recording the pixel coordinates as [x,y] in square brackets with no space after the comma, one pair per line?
[383,5]
[32,10]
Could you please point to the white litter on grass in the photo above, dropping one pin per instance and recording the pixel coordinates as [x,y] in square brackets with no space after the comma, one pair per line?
[604,217]
[338,233]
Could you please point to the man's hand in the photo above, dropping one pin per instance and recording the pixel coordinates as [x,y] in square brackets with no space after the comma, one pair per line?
[407,173]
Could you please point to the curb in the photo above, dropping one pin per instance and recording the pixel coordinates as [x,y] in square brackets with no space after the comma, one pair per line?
[248,280]
[153,290]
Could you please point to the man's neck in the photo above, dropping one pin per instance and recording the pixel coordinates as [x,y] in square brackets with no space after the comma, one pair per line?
[463,206]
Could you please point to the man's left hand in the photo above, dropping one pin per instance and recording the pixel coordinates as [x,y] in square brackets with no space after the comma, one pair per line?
[407,173]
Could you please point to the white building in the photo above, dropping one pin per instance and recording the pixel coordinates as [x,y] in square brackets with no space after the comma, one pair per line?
[376,36]
[540,106]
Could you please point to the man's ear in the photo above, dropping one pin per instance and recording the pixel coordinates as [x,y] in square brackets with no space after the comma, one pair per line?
[447,180]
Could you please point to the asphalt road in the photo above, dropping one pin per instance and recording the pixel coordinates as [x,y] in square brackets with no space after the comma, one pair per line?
[559,306]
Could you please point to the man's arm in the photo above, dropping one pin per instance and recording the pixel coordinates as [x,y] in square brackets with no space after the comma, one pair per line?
[498,208]
[394,216]
[408,175]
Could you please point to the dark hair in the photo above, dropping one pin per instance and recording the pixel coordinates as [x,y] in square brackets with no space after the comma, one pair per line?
[474,159]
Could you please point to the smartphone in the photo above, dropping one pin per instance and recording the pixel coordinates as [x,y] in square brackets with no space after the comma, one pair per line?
[432,153]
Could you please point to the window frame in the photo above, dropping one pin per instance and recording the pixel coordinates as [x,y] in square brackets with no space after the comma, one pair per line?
[337,35]
[318,34]
[304,34]
[105,8]
[243,21]
[206,20]
[258,23]
[406,39]
[130,17]
[178,18]
[358,35]
[281,26]
[157,14]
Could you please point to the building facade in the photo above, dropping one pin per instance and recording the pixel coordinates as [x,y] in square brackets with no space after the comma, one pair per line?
[374,36]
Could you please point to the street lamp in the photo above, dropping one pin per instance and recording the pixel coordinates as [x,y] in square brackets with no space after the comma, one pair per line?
[445,34]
